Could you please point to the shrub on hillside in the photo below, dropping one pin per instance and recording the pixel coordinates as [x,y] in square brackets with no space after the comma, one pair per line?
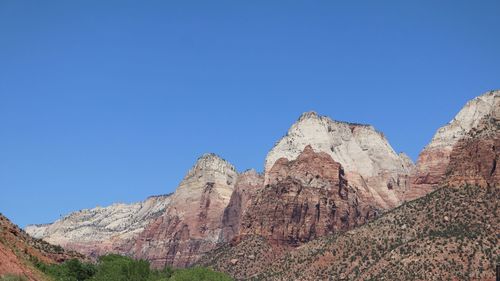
[11,277]
[120,268]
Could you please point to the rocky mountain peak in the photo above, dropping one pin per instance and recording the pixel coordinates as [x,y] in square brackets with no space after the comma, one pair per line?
[474,127]
[369,161]
[359,148]
[211,164]
[308,115]
[468,118]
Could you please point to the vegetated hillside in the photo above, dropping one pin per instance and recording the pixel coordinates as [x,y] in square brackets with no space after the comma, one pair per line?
[450,234]
[18,251]
[246,257]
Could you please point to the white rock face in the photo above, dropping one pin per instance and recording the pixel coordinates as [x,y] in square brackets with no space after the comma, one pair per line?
[466,119]
[208,168]
[101,224]
[359,148]
[369,161]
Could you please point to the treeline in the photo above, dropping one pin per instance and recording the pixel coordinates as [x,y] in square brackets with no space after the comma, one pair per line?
[120,268]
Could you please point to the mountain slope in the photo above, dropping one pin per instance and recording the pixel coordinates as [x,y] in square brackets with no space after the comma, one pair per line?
[451,233]
[99,230]
[18,251]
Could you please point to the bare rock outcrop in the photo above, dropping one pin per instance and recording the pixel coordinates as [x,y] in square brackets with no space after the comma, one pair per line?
[246,187]
[303,199]
[192,223]
[474,158]
[102,229]
[432,165]
[370,163]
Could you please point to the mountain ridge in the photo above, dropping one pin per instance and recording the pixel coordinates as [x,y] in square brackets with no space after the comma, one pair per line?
[216,205]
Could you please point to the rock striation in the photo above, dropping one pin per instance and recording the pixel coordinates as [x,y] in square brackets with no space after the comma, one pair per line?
[474,158]
[170,229]
[102,229]
[247,186]
[433,161]
[370,163]
[192,223]
[303,199]
[323,177]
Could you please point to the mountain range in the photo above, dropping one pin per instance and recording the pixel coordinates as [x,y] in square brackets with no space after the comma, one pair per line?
[334,201]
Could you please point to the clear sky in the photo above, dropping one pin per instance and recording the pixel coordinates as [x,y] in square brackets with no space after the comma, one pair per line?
[113,101]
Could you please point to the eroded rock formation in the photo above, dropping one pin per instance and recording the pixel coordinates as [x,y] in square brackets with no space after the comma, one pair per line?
[432,165]
[369,162]
[246,187]
[192,223]
[474,158]
[322,177]
[100,230]
[173,229]
[303,199]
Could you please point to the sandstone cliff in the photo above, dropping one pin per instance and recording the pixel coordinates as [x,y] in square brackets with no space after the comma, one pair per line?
[305,198]
[456,224]
[474,158]
[433,161]
[192,223]
[246,188]
[369,162]
[323,177]
[100,230]
[166,230]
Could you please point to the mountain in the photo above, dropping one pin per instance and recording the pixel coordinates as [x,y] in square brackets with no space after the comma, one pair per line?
[461,165]
[371,165]
[19,252]
[450,234]
[477,122]
[305,198]
[191,224]
[97,231]
[214,204]
[168,229]
[322,179]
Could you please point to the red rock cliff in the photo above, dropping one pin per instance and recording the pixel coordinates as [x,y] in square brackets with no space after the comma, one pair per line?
[304,199]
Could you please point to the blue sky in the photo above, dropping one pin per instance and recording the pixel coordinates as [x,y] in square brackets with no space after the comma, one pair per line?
[113,101]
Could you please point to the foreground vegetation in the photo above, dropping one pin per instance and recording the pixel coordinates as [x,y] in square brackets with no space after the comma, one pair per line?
[119,268]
